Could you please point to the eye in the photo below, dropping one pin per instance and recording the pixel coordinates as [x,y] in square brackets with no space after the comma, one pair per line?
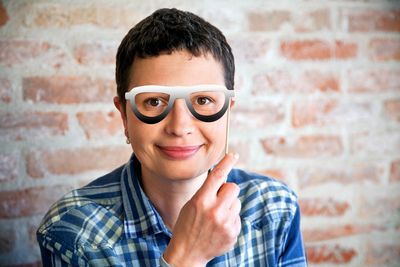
[154,102]
[202,100]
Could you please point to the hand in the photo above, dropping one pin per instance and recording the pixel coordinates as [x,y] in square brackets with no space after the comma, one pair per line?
[209,223]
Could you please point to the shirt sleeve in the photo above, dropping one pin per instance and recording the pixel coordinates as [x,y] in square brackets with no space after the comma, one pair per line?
[51,260]
[293,253]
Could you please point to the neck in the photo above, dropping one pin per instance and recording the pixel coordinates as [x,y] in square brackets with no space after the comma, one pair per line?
[169,196]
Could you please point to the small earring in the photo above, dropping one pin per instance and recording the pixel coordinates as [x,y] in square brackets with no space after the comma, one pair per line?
[127,141]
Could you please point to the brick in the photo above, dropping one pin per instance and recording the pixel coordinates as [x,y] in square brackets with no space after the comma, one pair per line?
[75,161]
[383,254]
[379,80]
[354,173]
[323,207]
[249,50]
[382,207]
[5,90]
[371,20]
[336,232]
[303,146]
[384,50]
[282,81]
[317,50]
[334,254]
[63,16]
[8,167]
[268,20]
[261,114]
[315,20]
[68,89]
[345,50]
[3,15]
[23,125]
[323,112]
[376,144]
[306,50]
[96,54]
[30,201]
[300,21]
[7,239]
[392,109]
[395,171]
[14,52]
[99,124]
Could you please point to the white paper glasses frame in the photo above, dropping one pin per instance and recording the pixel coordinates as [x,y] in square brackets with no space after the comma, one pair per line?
[182,92]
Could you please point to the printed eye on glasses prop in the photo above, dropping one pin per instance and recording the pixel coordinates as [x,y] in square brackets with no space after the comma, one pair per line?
[208,103]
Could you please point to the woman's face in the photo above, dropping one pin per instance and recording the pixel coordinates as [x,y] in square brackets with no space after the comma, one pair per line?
[180,146]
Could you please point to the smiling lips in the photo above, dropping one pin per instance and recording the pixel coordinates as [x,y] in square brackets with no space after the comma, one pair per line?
[179,152]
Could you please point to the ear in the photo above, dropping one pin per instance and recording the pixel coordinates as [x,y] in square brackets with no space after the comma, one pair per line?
[118,105]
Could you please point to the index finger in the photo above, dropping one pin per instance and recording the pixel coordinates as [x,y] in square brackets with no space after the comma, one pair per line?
[218,175]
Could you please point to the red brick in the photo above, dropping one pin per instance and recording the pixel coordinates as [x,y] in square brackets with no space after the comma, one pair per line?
[75,161]
[345,50]
[395,171]
[376,144]
[299,21]
[249,50]
[24,51]
[305,50]
[335,232]
[98,124]
[368,20]
[7,239]
[392,109]
[315,20]
[21,126]
[268,20]
[323,207]
[373,80]
[261,114]
[303,146]
[334,254]
[3,15]
[8,167]
[383,207]
[61,15]
[68,89]
[383,254]
[384,49]
[30,201]
[96,54]
[283,81]
[317,50]
[354,173]
[5,90]
[329,112]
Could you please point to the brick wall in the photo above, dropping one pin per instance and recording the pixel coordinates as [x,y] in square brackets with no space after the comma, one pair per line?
[318,86]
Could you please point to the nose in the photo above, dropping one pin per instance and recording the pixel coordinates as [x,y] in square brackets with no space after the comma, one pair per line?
[179,121]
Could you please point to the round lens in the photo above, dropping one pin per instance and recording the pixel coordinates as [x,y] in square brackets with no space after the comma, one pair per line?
[207,103]
[151,104]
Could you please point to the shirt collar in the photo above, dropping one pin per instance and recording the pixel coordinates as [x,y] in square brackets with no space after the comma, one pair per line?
[141,217]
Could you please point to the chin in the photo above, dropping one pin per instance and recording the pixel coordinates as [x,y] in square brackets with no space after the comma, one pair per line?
[183,170]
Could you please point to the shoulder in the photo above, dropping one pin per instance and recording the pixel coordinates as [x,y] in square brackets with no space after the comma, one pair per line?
[265,201]
[84,213]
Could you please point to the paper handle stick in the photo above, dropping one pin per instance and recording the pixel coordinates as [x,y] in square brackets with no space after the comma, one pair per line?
[227,128]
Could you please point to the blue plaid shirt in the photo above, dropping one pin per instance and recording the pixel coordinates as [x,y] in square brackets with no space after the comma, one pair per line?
[111,222]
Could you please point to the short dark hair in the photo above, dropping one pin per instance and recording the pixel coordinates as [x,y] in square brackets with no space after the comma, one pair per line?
[168,30]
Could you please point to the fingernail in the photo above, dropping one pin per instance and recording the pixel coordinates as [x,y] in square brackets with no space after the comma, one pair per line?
[236,155]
